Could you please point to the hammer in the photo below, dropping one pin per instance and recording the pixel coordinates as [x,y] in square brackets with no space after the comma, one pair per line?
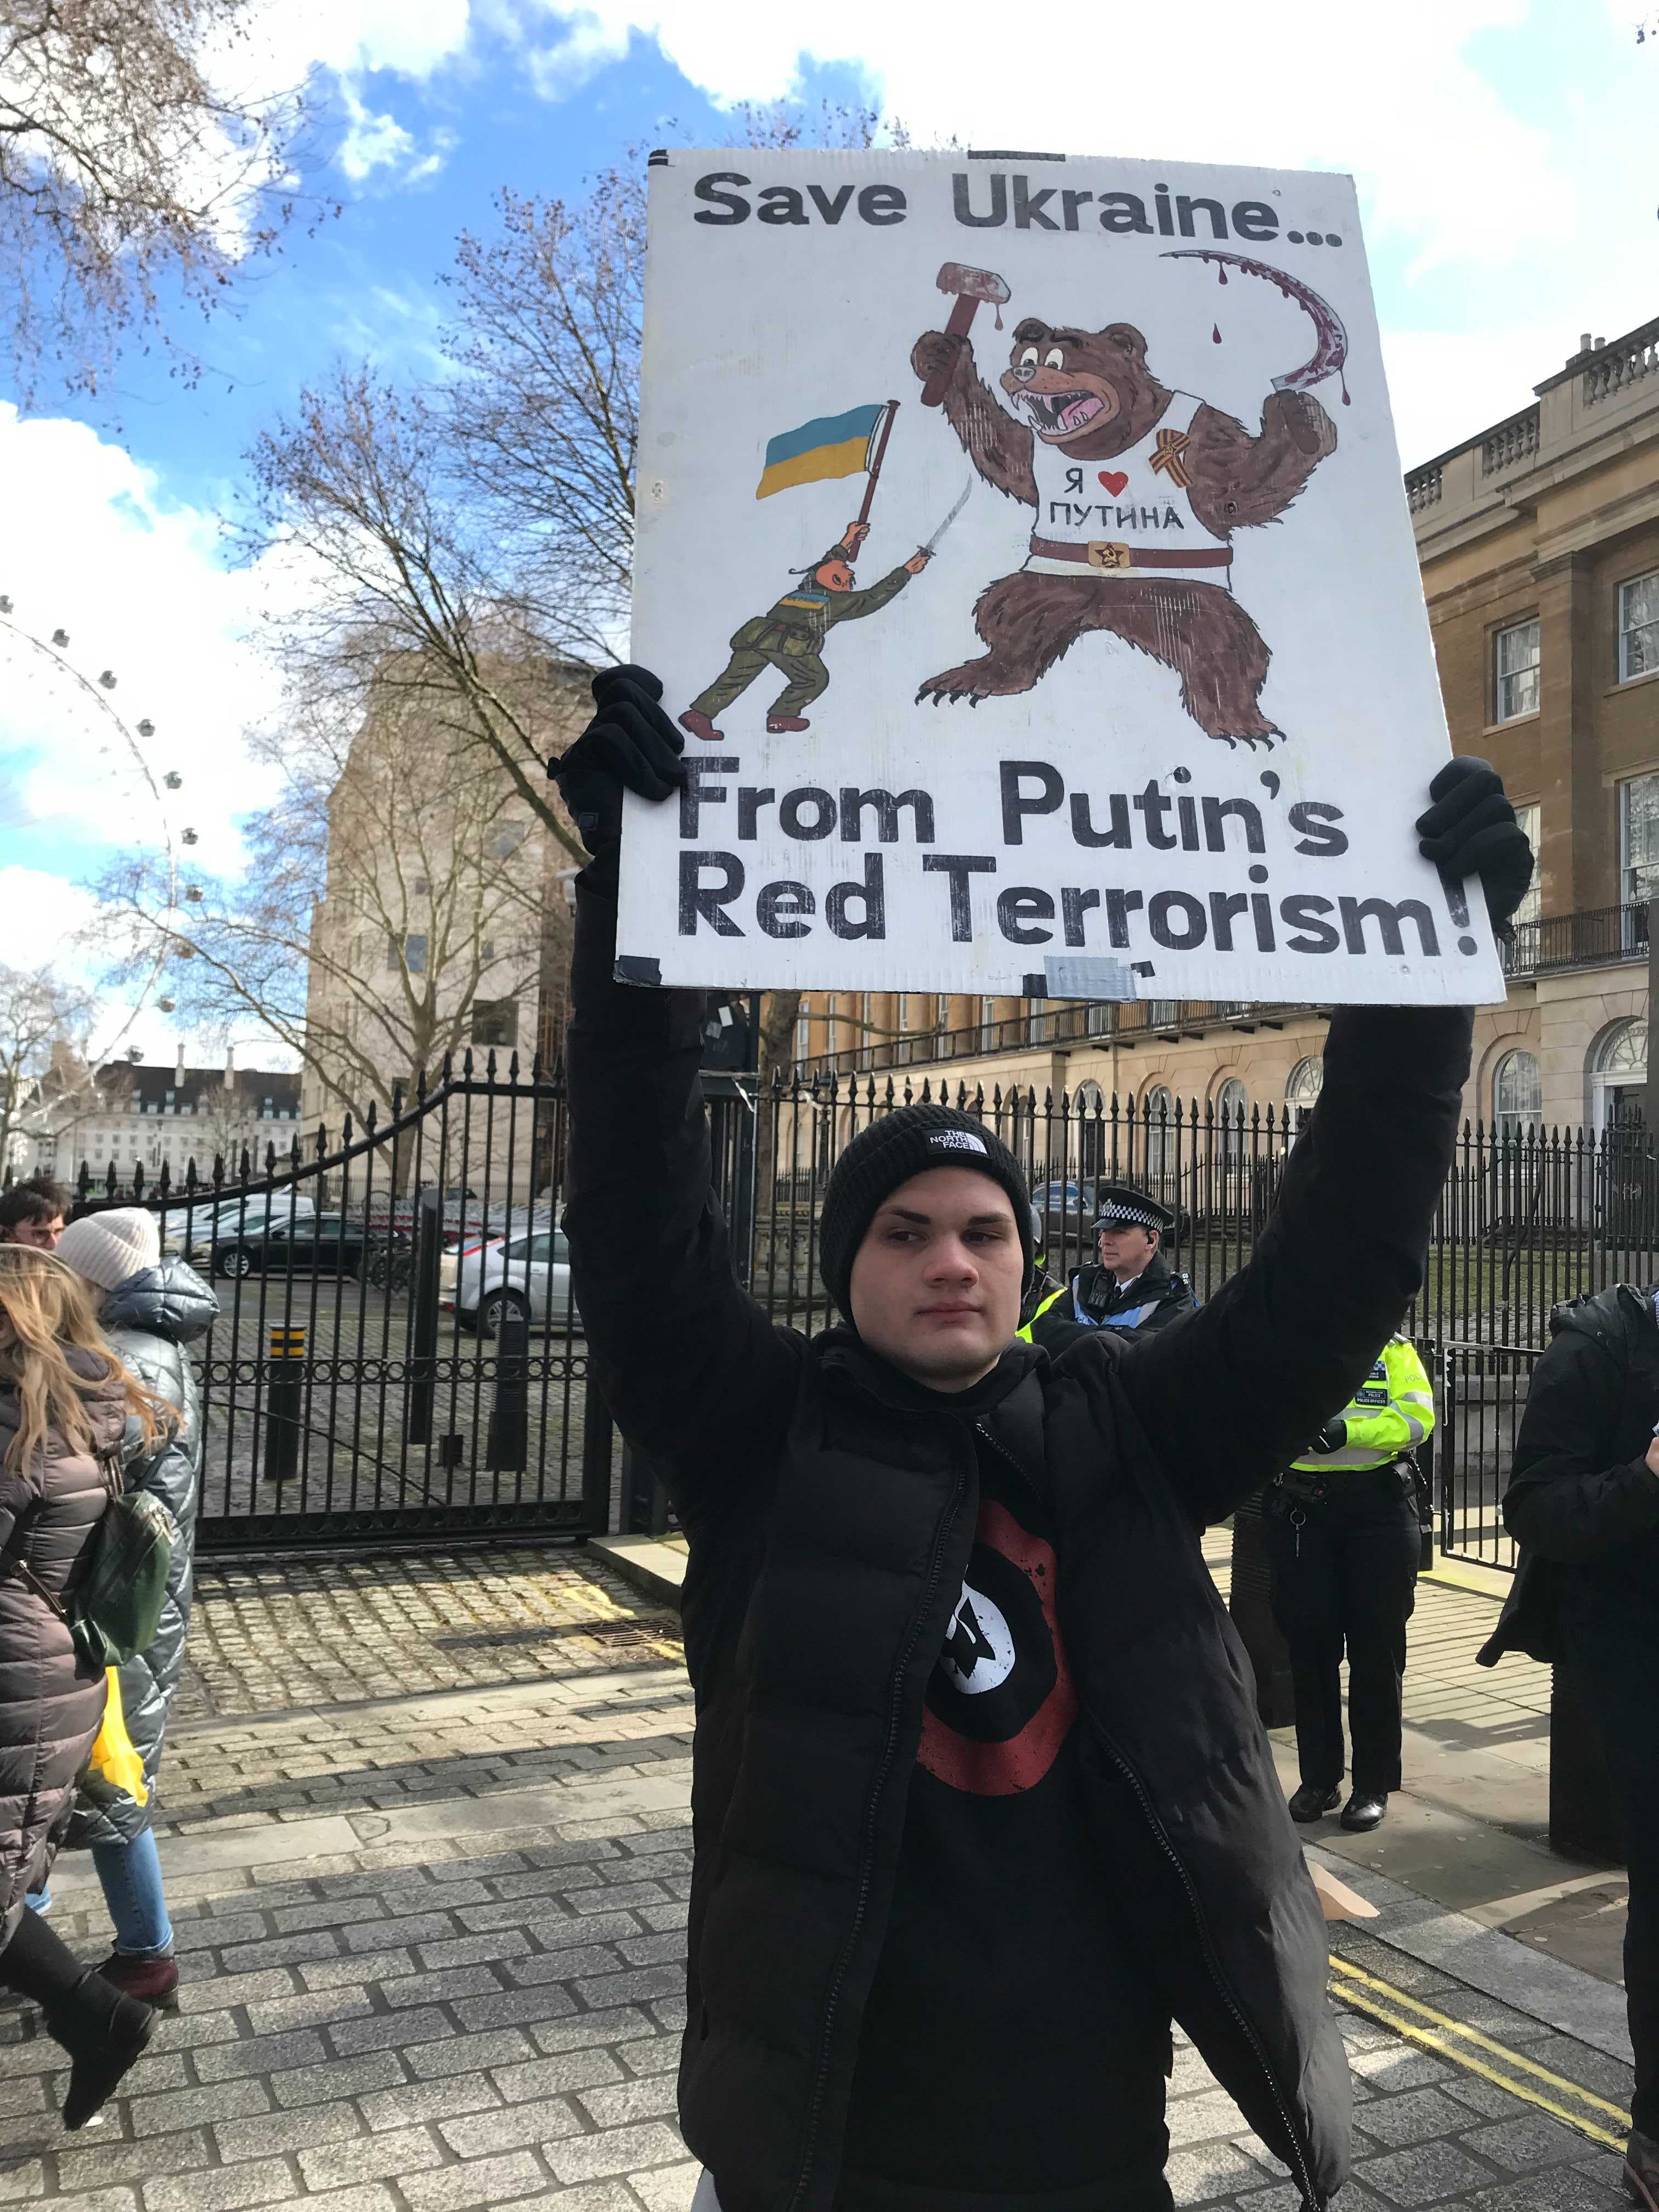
[971,287]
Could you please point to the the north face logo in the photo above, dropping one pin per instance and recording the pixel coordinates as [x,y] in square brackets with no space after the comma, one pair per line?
[956,1140]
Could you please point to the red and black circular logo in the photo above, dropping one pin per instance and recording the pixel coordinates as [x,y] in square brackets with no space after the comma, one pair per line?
[1001,1699]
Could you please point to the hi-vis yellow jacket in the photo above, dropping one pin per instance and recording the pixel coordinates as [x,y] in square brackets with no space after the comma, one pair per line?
[1392,1411]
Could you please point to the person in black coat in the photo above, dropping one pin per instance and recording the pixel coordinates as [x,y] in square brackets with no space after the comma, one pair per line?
[980,1797]
[1582,1503]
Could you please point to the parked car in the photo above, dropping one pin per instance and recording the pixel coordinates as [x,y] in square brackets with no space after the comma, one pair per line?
[311,1244]
[197,1227]
[529,1273]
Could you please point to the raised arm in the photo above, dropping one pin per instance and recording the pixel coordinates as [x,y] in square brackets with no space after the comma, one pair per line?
[1234,1394]
[695,1374]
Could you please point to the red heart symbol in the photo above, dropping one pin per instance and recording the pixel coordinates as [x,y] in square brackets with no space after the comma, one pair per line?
[1114,480]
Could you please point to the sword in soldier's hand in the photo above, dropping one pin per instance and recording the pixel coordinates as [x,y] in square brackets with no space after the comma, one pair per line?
[926,552]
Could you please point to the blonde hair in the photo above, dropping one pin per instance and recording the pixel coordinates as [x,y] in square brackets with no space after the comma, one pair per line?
[44,1310]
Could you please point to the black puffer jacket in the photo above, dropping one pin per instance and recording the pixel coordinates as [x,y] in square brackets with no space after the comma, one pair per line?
[149,1320]
[1582,1502]
[52,1701]
[830,1529]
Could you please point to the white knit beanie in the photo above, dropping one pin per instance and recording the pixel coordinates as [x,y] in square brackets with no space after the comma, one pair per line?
[105,1249]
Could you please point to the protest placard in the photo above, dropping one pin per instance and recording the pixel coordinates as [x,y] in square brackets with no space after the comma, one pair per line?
[1023,545]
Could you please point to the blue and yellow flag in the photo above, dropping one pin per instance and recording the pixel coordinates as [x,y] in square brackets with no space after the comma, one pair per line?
[829,446]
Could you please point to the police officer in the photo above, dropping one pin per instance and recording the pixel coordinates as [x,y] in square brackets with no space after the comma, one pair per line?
[789,637]
[1343,1547]
[1129,1287]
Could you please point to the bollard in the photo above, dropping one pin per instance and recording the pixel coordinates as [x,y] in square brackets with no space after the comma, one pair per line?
[423,1321]
[285,1374]
[507,1450]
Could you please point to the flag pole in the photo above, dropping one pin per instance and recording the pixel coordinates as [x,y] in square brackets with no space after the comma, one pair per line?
[875,465]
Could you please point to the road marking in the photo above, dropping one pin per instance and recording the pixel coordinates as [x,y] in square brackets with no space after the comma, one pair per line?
[1382,2003]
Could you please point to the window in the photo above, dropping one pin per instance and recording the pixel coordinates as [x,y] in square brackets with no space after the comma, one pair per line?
[420,886]
[987,1017]
[1090,1105]
[507,840]
[804,1029]
[1619,1075]
[1638,627]
[1232,1107]
[1638,839]
[1530,819]
[1514,672]
[1160,1138]
[394,955]
[495,1021]
[1517,1095]
[414,954]
[1307,1079]
[487,950]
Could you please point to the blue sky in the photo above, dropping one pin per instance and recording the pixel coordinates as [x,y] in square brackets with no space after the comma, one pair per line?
[1505,154]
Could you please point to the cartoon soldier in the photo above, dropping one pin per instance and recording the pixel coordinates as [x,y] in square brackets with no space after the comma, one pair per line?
[790,636]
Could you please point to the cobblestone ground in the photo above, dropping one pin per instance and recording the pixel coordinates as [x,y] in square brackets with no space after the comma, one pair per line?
[432,1937]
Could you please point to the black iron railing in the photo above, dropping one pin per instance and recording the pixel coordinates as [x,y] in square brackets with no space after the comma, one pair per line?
[400,1355]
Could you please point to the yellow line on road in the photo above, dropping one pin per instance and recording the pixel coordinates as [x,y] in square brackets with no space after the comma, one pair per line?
[1382,2003]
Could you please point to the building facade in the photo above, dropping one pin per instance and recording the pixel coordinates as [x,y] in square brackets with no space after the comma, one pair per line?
[1539,545]
[131,1115]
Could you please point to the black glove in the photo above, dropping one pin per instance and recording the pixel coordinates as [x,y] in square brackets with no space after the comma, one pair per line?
[629,744]
[1471,830]
[1331,1438]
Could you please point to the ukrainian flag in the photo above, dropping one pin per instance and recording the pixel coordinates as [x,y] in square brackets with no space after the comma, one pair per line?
[829,446]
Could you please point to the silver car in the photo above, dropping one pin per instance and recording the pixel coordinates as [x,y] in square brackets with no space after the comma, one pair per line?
[530,1272]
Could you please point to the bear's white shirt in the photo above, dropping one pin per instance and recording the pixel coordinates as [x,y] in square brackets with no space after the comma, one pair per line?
[1124,501]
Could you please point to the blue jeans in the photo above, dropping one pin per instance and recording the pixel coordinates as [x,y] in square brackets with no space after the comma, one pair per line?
[129,1875]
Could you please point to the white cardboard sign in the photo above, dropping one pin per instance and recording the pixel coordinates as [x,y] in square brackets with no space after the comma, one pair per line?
[1154,715]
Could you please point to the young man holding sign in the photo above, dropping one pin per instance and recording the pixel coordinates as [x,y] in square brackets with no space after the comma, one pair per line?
[980,1798]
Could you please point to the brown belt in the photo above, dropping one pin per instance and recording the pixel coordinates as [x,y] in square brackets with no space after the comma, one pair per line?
[1107,554]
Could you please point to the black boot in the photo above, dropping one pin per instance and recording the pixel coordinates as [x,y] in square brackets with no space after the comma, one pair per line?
[105,2034]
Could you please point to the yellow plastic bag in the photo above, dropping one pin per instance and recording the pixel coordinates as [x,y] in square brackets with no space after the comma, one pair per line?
[114,1761]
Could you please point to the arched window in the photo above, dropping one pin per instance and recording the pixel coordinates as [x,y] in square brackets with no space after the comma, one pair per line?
[1090,1105]
[1619,1075]
[1307,1079]
[1232,1107]
[1517,1095]
[1158,1136]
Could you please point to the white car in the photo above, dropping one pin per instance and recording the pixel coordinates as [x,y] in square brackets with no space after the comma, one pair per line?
[530,1272]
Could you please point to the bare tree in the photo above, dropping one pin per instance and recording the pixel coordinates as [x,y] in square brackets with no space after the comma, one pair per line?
[472,542]
[45,1025]
[394,907]
[139,163]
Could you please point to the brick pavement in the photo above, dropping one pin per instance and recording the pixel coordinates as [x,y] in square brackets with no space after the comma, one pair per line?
[432,1939]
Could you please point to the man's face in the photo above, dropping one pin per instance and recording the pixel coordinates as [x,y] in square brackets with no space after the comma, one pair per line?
[1127,1248]
[42,1234]
[834,576]
[936,1283]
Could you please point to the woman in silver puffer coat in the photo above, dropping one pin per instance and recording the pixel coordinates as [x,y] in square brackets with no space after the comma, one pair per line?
[150,1311]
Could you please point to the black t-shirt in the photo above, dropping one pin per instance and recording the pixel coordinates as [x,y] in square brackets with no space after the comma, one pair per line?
[1011,2054]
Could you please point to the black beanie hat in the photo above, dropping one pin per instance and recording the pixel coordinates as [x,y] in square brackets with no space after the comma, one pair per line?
[904,1143]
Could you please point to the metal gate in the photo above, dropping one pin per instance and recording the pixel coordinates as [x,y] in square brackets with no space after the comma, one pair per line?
[398,1354]
[1483,1391]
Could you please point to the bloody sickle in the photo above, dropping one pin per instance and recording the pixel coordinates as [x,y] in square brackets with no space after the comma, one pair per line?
[1330,339]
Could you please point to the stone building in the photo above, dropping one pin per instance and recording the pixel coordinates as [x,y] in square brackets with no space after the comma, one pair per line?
[1538,543]
[129,1114]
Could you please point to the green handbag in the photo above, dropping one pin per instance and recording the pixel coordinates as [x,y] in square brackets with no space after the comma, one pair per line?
[114,1606]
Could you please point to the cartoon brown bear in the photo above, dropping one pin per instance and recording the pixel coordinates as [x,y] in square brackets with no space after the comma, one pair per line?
[1137,489]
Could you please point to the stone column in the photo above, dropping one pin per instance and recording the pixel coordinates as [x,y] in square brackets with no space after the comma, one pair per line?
[1572,839]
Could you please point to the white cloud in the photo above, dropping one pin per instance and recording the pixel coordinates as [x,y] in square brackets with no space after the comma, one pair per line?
[140,589]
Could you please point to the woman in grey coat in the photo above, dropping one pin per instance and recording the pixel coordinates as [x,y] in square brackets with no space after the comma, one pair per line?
[150,1311]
